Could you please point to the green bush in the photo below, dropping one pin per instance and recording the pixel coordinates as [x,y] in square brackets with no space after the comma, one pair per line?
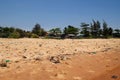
[34,36]
[14,35]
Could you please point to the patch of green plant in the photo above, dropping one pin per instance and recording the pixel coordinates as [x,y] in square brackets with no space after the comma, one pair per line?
[14,35]
[93,52]
[34,36]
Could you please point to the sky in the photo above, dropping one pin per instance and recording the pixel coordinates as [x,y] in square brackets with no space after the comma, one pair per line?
[49,14]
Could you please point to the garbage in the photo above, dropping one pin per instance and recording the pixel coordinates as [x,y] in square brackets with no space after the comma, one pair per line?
[7,61]
[93,52]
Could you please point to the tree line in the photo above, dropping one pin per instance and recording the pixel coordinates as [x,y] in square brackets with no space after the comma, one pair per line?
[93,30]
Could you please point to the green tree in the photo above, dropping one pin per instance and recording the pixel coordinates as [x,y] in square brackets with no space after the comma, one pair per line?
[98,29]
[110,31]
[11,29]
[105,30]
[1,31]
[38,30]
[28,34]
[34,36]
[116,33]
[95,29]
[14,35]
[21,32]
[42,32]
[65,30]
[55,32]
[71,30]
[85,29]
[6,32]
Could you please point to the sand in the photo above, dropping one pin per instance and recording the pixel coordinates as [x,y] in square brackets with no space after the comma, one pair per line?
[68,59]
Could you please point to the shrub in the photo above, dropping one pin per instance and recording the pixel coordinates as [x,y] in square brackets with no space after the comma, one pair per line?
[34,36]
[14,35]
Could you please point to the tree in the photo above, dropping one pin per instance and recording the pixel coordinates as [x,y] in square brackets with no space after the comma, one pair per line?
[11,29]
[6,32]
[85,29]
[42,32]
[1,31]
[65,31]
[98,29]
[21,32]
[14,35]
[71,30]
[105,30]
[34,36]
[55,32]
[38,30]
[110,31]
[28,34]
[116,33]
[95,29]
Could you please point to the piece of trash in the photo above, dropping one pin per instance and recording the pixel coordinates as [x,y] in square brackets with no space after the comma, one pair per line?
[93,52]
[7,60]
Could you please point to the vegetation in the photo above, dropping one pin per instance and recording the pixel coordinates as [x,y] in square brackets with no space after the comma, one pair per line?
[10,32]
[85,29]
[55,32]
[71,30]
[96,29]
[14,35]
[92,30]
[38,30]
[34,36]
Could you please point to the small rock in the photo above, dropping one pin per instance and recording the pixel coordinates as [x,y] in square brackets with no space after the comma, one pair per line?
[55,59]
[40,45]
[3,63]
[24,57]
[77,78]
[49,70]
[114,77]
[75,50]
[60,76]
[16,61]
[25,50]
[37,58]
[91,71]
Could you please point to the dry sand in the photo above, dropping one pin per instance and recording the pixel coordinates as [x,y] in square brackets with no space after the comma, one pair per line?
[69,59]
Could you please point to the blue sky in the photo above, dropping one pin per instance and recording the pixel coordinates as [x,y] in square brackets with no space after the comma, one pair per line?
[58,13]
